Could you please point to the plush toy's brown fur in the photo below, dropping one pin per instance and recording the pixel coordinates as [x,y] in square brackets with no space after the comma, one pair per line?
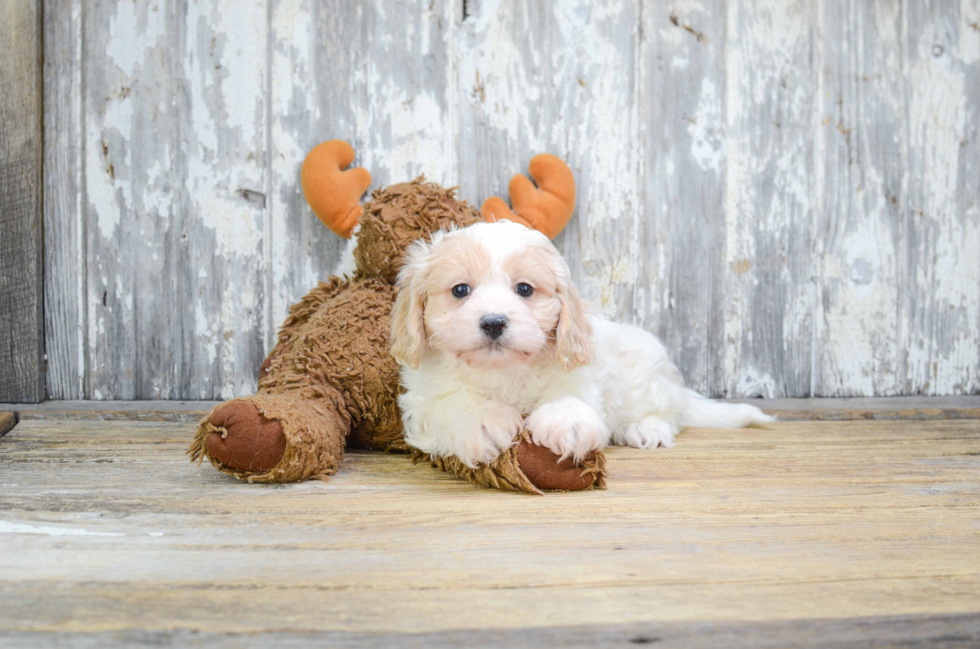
[331,382]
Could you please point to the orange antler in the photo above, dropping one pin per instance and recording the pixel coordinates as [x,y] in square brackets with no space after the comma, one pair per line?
[334,194]
[546,207]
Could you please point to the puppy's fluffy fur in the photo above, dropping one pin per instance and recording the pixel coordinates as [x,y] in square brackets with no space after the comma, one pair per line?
[581,381]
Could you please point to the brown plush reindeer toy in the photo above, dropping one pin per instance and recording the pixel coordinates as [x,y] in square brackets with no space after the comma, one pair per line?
[330,382]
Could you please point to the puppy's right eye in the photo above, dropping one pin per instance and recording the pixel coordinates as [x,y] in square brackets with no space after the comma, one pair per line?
[461,290]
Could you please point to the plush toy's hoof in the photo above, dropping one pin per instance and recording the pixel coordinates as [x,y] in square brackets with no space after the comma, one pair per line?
[543,468]
[530,468]
[249,442]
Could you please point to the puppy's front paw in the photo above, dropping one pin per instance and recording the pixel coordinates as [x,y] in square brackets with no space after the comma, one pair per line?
[494,432]
[649,432]
[569,427]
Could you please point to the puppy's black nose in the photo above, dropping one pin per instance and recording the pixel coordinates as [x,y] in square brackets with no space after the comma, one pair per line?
[493,325]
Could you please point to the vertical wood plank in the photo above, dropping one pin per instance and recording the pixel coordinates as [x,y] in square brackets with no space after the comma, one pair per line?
[769,199]
[223,205]
[64,235]
[682,102]
[305,111]
[176,184]
[560,77]
[21,263]
[861,230]
[131,212]
[399,85]
[943,308]
[378,74]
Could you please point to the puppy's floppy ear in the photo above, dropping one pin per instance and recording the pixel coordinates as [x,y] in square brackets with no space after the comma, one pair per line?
[407,324]
[573,335]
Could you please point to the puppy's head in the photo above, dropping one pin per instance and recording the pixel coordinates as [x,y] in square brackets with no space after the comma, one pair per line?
[492,294]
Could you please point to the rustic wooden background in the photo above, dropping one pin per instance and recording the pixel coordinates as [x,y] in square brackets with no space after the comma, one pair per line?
[21,272]
[786,192]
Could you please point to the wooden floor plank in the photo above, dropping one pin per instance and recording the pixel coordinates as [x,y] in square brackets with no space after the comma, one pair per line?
[907,632]
[117,535]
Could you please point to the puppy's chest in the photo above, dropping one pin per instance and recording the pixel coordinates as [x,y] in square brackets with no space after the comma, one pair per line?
[517,390]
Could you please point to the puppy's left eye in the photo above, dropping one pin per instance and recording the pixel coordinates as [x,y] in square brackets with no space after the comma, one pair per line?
[461,290]
[524,290]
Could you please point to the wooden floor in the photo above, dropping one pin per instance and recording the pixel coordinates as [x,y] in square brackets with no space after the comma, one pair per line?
[815,533]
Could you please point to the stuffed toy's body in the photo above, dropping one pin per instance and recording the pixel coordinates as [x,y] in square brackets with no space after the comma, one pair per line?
[331,382]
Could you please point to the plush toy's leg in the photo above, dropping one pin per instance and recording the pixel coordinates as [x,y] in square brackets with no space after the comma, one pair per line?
[291,431]
[284,437]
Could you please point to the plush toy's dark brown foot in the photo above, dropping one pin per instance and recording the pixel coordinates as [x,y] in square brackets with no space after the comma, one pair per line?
[283,437]
[244,439]
[529,468]
[543,468]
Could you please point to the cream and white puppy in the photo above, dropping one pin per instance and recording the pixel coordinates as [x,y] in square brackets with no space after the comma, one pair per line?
[489,329]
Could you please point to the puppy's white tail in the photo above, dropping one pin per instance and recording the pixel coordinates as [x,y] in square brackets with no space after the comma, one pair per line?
[705,413]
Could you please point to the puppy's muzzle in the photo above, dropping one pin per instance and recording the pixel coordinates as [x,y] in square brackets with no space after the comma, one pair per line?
[493,325]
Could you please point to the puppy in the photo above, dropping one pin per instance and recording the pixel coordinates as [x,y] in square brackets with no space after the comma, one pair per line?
[489,330]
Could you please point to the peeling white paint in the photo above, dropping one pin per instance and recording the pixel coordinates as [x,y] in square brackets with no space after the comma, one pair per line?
[243,59]
[237,224]
[944,338]
[492,74]
[133,29]
[347,265]
[679,62]
[294,111]
[705,127]
[968,33]
[205,334]
[102,193]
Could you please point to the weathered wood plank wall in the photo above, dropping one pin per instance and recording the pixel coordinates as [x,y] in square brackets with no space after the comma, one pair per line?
[785,192]
[21,302]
